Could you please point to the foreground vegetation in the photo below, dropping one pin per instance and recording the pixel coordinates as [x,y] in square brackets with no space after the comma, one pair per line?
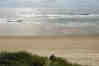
[27,59]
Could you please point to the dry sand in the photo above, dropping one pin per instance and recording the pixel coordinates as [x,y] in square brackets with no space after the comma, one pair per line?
[52,43]
[84,50]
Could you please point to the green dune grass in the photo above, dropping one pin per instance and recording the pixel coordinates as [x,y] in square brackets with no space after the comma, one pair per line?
[27,59]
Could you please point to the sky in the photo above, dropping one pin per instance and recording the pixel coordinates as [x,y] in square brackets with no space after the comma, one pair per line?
[50,3]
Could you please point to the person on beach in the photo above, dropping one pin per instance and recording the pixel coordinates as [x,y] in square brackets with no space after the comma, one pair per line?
[52,57]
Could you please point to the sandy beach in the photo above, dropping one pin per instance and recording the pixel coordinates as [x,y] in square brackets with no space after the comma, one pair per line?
[59,42]
[73,48]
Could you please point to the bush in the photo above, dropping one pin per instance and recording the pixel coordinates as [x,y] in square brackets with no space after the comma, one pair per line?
[15,59]
[20,59]
[61,62]
[27,59]
[38,60]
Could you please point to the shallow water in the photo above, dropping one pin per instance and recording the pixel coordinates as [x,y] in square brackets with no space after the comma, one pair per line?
[51,25]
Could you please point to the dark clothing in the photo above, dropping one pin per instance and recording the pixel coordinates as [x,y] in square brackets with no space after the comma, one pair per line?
[52,57]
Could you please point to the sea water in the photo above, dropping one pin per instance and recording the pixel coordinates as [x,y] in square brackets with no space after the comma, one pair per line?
[49,21]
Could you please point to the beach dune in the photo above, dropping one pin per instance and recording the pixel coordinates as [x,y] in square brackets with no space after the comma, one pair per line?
[73,48]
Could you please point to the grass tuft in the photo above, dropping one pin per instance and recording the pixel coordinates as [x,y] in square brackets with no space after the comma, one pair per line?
[27,59]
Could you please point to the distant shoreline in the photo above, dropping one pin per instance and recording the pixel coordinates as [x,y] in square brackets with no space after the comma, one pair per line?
[51,36]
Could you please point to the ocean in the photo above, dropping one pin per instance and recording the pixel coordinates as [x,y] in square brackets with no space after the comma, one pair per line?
[49,21]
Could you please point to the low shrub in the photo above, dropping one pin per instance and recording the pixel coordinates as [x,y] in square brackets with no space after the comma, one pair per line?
[62,62]
[20,59]
[27,59]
